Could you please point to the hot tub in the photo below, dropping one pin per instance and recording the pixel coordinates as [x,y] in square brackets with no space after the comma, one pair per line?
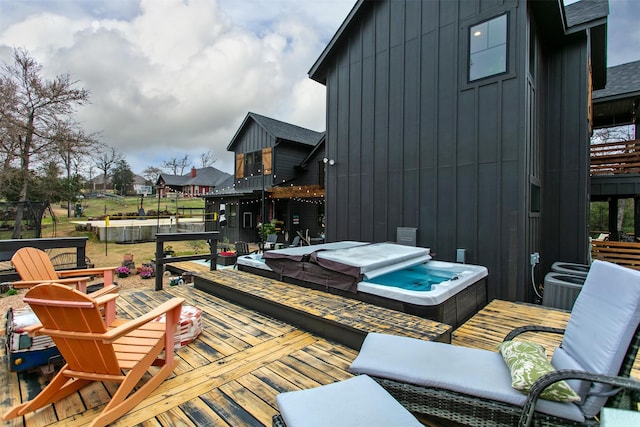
[447,292]
[254,264]
[341,265]
[373,273]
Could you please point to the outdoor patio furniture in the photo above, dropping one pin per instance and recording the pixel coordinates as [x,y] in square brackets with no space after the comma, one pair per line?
[295,242]
[101,349]
[242,248]
[270,243]
[471,386]
[67,260]
[358,401]
[34,267]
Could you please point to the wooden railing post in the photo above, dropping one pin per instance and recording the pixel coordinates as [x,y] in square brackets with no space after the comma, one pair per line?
[210,236]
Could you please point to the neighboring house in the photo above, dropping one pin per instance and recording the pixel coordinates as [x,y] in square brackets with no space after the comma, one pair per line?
[101,182]
[98,183]
[468,120]
[196,183]
[617,105]
[277,176]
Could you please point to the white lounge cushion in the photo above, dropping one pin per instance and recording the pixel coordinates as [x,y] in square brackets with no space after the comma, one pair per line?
[602,323]
[358,401]
[465,370]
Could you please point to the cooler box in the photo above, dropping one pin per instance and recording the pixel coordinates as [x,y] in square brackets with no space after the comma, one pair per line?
[25,352]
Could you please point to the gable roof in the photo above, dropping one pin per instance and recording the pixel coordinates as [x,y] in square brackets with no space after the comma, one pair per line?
[617,103]
[586,11]
[319,148]
[622,80]
[559,20]
[314,72]
[278,130]
[208,176]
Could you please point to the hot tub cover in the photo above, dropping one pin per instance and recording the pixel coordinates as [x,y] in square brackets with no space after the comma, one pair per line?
[343,264]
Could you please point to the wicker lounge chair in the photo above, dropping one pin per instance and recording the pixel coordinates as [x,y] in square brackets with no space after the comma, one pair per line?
[358,401]
[474,387]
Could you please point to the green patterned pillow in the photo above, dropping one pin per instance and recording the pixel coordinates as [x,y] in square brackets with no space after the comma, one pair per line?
[527,362]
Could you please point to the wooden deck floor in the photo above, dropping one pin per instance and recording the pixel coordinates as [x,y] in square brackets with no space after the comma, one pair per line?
[345,320]
[230,375]
[489,326]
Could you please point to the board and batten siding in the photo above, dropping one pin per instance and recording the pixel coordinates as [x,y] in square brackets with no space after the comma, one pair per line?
[254,138]
[415,145]
[565,197]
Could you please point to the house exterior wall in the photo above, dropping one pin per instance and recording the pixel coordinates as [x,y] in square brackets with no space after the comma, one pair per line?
[566,153]
[254,138]
[418,145]
[286,158]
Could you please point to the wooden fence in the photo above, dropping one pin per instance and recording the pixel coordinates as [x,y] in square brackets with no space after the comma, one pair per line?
[623,253]
[613,158]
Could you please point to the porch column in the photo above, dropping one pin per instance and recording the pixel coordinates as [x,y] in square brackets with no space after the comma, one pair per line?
[636,216]
[613,215]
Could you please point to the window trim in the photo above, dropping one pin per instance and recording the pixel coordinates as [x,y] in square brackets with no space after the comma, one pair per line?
[254,168]
[465,51]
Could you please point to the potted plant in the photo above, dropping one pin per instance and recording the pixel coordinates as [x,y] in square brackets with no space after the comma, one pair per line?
[123,271]
[146,272]
[227,258]
[168,251]
[267,228]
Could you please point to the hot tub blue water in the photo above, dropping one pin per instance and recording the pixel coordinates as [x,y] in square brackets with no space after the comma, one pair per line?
[430,283]
[416,278]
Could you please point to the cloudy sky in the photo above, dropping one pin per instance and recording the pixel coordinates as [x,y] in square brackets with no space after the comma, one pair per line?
[175,77]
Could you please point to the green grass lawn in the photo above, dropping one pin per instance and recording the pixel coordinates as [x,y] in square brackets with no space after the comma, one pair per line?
[112,253]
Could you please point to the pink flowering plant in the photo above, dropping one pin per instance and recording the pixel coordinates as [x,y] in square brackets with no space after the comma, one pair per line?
[123,271]
[146,272]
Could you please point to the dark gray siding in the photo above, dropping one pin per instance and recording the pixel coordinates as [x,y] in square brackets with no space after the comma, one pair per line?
[254,138]
[566,173]
[312,174]
[417,146]
[287,156]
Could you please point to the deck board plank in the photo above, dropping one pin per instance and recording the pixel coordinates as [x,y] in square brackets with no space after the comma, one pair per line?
[201,414]
[488,327]
[328,310]
[260,388]
[253,404]
[233,372]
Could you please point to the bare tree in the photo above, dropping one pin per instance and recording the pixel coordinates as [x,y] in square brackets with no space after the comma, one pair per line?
[151,173]
[207,159]
[105,161]
[174,165]
[31,111]
[73,145]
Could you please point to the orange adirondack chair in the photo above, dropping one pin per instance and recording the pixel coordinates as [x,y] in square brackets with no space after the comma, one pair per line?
[35,267]
[101,349]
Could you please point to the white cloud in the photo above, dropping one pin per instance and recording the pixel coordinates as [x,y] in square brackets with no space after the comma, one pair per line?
[173,77]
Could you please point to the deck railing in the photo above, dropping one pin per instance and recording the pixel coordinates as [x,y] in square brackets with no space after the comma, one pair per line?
[161,238]
[612,158]
[626,254]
